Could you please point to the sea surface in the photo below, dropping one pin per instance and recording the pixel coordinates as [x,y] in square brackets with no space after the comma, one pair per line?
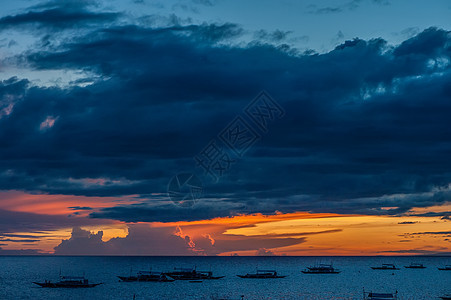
[18,272]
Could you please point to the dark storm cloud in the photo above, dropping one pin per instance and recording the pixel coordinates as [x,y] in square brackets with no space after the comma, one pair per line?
[166,213]
[432,233]
[346,6]
[443,214]
[350,5]
[56,18]
[326,10]
[205,2]
[66,4]
[366,124]
[274,36]
[19,235]
[29,222]
[80,208]
[19,241]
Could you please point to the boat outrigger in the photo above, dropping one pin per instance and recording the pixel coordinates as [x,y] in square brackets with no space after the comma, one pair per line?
[191,274]
[147,276]
[386,267]
[321,269]
[262,274]
[445,268]
[415,266]
[379,296]
[68,282]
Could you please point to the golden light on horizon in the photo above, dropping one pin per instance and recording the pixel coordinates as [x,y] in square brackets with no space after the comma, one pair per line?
[358,235]
[318,233]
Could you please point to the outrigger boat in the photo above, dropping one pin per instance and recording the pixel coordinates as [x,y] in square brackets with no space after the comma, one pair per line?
[262,274]
[379,296]
[191,274]
[68,282]
[446,268]
[415,266]
[386,267]
[147,276]
[321,269]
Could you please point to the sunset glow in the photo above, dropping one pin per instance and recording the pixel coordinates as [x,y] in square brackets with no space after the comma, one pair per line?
[299,233]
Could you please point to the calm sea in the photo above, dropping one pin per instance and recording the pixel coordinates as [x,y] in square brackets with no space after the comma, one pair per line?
[18,273]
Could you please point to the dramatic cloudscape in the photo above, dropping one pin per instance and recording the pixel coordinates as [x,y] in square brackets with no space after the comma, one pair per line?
[291,127]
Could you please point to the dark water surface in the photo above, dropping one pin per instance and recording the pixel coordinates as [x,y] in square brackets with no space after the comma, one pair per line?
[18,273]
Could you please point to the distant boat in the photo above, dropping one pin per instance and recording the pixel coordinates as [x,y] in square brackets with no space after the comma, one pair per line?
[147,276]
[415,266]
[191,274]
[262,274]
[321,269]
[446,297]
[379,296]
[445,268]
[386,267]
[68,282]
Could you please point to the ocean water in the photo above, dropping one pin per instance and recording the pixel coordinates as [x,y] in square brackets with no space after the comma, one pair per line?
[18,272]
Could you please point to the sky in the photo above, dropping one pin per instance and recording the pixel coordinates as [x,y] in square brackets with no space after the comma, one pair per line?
[213,127]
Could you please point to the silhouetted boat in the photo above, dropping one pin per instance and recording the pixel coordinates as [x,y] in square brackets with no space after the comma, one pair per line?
[68,282]
[262,274]
[446,297]
[445,268]
[321,269]
[385,267]
[379,296]
[415,266]
[191,274]
[147,276]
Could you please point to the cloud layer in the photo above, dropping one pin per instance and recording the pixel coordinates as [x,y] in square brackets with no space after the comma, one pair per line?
[366,125]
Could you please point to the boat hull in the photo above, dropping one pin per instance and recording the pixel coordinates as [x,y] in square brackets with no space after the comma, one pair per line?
[379,268]
[310,272]
[260,277]
[198,278]
[378,296]
[64,285]
[192,276]
[136,279]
